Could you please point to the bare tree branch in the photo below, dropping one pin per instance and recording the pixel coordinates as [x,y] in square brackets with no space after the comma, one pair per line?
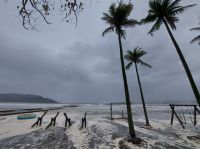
[31,10]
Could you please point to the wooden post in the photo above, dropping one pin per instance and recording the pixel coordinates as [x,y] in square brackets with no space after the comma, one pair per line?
[66,118]
[42,117]
[111,111]
[39,120]
[51,123]
[172,117]
[179,120]
[54,120]
[82,122]
[85,118]
[195,115]
[174,113]
[197,110]
[36,123]
[44,114]
[69,121]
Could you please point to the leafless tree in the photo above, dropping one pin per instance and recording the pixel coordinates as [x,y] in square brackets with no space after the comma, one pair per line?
[31,11]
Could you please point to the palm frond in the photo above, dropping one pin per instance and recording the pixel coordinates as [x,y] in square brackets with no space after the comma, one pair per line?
[175,3]
[130,23]
[166,3]
[125,9]
[196,39]
[179,9]
[121,32]
[196,28]
[149,19]
[156,26]
[108,19]
[112,9]
[128,66]
[128,55]
[108,30]
[144,64]
[171,21]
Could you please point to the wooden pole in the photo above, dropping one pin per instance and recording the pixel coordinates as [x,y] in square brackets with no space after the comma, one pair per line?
[85,118]
[195,115]
[69,121]
[172,117]
[36,123]
[111,111]
[54,120]
[66,119]
[179,119]
[50,124]
[174,113]
[82,122]
[197,110]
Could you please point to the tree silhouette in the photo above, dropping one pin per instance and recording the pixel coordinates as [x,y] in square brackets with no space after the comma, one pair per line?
[117,19]
[165,12]
[31,10]
[134,57]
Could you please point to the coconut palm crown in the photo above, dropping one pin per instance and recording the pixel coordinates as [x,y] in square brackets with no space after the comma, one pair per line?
[164,11]
[135,57]
[117,18]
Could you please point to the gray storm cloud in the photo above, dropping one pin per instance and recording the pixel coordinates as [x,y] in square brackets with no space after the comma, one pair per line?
[78,65]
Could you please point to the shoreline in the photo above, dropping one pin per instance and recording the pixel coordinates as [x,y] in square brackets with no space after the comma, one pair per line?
[101,132]
[22,111]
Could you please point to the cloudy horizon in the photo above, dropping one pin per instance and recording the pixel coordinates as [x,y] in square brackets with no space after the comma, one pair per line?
[76,64]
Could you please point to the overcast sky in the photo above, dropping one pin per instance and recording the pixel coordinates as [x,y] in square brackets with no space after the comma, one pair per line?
[79,65]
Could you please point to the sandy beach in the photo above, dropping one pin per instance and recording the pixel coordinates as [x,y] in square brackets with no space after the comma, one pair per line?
[101,132]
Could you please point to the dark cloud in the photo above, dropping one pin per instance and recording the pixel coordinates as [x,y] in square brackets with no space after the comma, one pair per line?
[78,65]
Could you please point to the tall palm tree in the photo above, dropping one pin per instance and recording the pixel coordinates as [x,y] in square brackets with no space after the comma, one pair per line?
[134,57]
[196,39]
[165,12]
[117,19]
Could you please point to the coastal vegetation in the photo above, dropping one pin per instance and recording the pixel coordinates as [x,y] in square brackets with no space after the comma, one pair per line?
[117,19]
[134,58]
[166,12]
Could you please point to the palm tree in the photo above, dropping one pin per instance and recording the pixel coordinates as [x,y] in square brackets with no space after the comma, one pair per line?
[196,39]
[117,19]
[166,11]
[134,57]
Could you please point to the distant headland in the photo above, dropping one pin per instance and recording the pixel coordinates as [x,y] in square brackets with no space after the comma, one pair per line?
[24,98]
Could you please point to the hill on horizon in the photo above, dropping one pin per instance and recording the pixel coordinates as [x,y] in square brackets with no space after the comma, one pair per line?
[24,98]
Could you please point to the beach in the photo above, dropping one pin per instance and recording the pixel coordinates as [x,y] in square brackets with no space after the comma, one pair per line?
[101,132]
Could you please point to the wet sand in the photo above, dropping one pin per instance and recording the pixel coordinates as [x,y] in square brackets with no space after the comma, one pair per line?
[101,132]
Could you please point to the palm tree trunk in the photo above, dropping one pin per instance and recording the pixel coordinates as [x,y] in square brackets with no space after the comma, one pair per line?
[128,103]
[194,87]
[142,97]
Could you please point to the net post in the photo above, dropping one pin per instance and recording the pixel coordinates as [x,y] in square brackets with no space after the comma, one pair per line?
[111,111]
[172,117]
[195,115]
